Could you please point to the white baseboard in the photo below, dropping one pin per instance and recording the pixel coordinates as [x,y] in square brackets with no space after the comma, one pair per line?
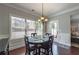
[15,47]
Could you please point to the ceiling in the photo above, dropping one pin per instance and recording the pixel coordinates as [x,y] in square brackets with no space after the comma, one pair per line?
[48,8]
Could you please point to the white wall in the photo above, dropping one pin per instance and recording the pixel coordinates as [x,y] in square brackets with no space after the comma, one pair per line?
[63,36]
[5,12]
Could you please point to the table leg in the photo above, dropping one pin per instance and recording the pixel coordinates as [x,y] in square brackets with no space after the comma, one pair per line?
[39,51]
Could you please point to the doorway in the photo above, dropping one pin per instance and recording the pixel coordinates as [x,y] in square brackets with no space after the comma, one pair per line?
[75,30]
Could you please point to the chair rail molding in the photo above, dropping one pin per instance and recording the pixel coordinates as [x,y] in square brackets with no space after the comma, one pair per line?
[4,36]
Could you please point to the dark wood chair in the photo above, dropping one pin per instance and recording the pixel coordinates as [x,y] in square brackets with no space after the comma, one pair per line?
[29,47]
[33,34]
[47,46]
[47,34]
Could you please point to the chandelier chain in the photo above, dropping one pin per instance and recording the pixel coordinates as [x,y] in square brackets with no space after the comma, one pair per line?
[42,9]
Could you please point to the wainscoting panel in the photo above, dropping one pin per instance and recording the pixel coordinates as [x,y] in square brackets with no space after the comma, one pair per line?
[16,43]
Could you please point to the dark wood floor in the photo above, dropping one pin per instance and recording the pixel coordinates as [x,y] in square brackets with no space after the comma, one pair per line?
[57,50]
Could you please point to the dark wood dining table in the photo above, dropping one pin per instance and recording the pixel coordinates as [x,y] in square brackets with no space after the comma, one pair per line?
[38,41]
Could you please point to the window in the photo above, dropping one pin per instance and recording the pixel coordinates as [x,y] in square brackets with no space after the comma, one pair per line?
[39,28]
[17,27]
[20,26]
[34,26]
[30,27]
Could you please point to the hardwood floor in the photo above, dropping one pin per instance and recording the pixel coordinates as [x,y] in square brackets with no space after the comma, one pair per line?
[18,51]
[58,49]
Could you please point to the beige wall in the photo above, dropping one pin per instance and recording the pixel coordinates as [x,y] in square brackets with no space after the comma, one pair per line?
[4,21]
[5,13]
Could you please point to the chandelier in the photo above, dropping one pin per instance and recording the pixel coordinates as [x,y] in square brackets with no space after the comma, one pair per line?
[43,18]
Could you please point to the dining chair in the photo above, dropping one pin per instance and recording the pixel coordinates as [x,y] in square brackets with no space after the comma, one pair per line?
[29,46]
[47,46]
[33,34]
[51,38]
[47,34]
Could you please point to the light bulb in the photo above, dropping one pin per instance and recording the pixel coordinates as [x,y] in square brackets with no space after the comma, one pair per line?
[46,19]
[39,20]
[42,17]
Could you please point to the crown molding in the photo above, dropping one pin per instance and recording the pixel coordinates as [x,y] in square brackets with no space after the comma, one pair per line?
[36,14]
[22,9]
[63,12]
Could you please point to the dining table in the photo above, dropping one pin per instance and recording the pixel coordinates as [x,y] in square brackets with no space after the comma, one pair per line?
[38,41]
